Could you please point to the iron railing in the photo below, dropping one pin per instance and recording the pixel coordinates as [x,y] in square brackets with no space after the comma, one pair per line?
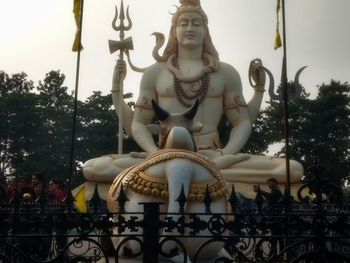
[314,228]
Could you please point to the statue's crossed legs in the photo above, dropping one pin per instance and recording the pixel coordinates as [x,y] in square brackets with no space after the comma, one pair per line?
[242,170]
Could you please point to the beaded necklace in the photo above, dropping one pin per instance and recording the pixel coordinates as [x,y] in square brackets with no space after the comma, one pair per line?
[186,97]
[200,91]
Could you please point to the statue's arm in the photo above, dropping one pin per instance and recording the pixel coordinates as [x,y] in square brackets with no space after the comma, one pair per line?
[119,74]
[257,80]
[236,111]
[144,113]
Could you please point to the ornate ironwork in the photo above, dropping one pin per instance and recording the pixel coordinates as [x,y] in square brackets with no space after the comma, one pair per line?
[316,228]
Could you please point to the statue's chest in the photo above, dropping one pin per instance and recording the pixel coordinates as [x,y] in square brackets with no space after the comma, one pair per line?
[167,86]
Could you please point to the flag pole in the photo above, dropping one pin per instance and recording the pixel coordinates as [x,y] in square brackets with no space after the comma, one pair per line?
[284,81]
[72,148]
[282,91]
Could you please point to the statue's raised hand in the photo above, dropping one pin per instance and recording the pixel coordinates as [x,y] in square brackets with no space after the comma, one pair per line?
[119,73]
[257,76]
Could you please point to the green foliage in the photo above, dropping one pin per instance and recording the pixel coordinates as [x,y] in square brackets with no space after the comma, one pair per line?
[36,126]
[56,111]
[260,138]
[321,124]
[19,118]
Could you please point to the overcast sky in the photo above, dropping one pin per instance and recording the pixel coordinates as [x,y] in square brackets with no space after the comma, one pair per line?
[37,35]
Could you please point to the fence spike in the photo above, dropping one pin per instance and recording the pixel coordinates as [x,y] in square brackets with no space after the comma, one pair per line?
[233,200]
[259,200]
[122,199]
[182,200]
[95,200]
[207,200]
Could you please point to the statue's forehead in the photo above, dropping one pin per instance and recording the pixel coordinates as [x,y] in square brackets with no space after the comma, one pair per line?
[190,16]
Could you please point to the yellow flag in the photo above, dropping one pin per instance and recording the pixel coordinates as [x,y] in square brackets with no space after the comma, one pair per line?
[278,41]
[80,201]
[77,14]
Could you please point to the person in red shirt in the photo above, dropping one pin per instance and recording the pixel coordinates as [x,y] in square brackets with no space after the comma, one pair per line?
[56,191]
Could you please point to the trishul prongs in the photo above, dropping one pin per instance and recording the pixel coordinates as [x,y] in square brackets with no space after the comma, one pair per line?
[123,44]
[122,27]
[292,94]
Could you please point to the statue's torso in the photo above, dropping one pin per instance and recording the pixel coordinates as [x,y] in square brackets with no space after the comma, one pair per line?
[211,108]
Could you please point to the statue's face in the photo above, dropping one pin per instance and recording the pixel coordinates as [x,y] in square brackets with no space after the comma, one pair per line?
[190,30]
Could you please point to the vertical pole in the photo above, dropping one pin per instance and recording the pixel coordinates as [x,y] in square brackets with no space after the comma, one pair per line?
[71,162]
[151,226]
[284,81]
[120,115]
[121,84]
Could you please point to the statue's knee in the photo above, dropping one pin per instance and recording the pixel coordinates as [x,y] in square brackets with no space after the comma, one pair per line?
[89,172]
[296,170]
[96,168]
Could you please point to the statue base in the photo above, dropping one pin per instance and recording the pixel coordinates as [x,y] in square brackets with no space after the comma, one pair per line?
[245,189]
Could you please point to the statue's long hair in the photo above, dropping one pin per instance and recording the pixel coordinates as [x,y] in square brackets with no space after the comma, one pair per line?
[172,45]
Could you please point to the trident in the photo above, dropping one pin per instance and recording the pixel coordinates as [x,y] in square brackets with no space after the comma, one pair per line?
[293,93]
[123,45]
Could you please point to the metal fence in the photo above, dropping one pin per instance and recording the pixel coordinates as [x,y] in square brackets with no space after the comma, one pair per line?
[313,228]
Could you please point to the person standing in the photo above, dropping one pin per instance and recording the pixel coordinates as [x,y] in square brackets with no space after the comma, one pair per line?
[56,191]
[273,197]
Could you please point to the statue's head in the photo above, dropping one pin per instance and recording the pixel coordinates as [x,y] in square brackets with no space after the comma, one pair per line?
[189,6]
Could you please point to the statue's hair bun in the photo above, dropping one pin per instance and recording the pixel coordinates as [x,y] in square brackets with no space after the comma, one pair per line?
[190,2]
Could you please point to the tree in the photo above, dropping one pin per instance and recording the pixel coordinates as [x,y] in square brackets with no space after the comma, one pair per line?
[322,123]
[36,126]
[56,112]
[97,124]
[19,119]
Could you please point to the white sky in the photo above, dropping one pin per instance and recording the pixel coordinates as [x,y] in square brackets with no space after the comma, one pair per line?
[37,35]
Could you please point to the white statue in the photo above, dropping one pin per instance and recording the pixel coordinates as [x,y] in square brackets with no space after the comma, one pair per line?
[190,69]
[164,174]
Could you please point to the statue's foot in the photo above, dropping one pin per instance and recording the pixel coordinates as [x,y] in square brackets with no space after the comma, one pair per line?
[100,169]
[107,167]
[227,160]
